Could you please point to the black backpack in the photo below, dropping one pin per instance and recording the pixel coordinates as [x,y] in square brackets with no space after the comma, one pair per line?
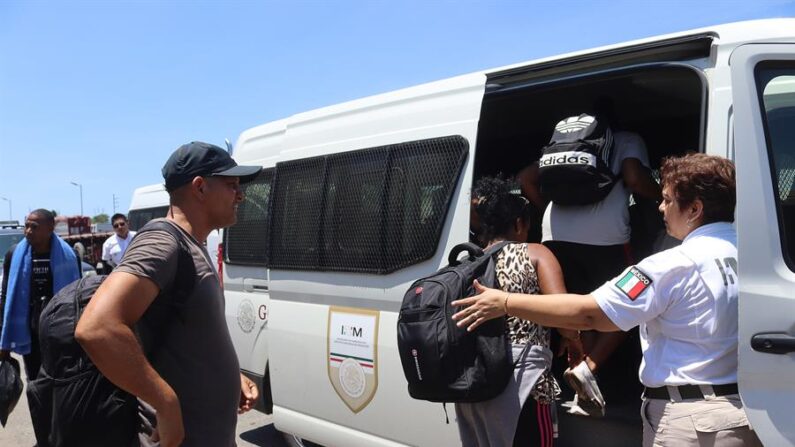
[72,404]
[442,362]
[574,168]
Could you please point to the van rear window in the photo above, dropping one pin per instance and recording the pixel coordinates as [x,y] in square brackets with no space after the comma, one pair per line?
[776,83]
[373,210]
[246,241]
[138,218]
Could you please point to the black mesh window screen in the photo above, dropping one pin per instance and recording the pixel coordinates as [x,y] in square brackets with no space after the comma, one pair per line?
[246,242]
[297,211]
[371,211]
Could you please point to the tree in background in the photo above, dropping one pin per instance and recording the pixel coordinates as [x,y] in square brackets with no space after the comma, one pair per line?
[100,218]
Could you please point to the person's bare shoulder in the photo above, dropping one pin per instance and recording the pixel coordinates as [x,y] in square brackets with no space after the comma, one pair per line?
[539,251]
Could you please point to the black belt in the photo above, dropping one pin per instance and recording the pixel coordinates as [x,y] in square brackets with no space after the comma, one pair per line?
[689,391]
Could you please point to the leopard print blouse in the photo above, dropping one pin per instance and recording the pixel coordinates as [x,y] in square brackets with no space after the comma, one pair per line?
[516,273]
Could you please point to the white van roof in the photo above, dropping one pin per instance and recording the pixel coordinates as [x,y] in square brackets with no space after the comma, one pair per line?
[727,34]
[149,196]
[260,144]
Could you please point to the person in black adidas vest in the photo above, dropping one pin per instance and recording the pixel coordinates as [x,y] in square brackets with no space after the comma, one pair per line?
[194,382]
[591,242]
[684,301]
[523,414]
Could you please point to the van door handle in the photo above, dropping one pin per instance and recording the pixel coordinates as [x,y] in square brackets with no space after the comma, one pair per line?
[255,285]
[773,343]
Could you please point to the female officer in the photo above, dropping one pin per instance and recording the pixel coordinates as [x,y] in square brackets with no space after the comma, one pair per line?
[685,301]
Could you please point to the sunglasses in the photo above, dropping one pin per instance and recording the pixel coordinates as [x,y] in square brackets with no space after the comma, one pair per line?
[119,224]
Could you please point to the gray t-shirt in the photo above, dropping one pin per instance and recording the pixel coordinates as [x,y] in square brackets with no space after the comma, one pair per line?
[601,223]
[195,354]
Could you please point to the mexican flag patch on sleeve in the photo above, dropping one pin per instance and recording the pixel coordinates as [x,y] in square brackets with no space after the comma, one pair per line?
[633,283]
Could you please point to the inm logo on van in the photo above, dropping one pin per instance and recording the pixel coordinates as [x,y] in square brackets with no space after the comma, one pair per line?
[351,331]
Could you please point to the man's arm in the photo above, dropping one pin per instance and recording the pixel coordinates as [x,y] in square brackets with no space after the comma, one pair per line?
[639,180]
[106,333]
[248,394]
[106,252]
[528,181]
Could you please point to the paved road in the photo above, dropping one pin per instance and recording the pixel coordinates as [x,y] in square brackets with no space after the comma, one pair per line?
[254,429]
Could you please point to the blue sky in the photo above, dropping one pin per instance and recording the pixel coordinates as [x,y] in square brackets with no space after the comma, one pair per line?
[101,92]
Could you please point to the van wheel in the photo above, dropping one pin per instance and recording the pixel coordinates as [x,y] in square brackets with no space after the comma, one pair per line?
[291,440]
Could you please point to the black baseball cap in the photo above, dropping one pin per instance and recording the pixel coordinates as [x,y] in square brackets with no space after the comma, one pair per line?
[198,159]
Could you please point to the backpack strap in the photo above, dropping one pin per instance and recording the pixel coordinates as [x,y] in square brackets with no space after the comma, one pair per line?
[182,286]
[494,249]
[185,278]
[474,251]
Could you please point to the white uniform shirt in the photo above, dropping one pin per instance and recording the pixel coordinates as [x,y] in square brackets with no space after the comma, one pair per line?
[114,247]
[685,301]
[601,223]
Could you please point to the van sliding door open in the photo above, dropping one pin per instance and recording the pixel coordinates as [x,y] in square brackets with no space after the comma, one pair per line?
[763,84]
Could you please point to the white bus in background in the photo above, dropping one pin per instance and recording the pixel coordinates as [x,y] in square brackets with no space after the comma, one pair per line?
[151,202]
[360,199]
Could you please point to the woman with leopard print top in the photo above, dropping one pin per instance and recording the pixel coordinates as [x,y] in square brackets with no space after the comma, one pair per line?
[522,414]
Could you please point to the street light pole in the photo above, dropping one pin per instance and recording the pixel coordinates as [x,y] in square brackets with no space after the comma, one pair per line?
[9,207]
[79,185]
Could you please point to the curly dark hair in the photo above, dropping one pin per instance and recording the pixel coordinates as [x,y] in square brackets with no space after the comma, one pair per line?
[708,178]
[498,203]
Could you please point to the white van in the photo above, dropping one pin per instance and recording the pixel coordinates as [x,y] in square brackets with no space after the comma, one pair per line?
[151,202]
[360,199]
[148,202]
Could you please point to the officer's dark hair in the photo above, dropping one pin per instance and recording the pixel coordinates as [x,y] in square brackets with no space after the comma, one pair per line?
[708,178]
[48,215]
[498,203]
[118,216]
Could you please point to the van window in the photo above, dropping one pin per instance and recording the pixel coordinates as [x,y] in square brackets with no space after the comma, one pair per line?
[139,218]
[373,210]
[246,241]
[776,84]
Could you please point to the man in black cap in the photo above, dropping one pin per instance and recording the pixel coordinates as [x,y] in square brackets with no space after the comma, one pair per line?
[194,382]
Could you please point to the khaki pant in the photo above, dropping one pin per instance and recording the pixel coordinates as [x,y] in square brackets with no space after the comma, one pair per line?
[714,421]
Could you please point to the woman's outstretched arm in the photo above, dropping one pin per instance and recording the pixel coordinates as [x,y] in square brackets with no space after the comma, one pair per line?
[568,311]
